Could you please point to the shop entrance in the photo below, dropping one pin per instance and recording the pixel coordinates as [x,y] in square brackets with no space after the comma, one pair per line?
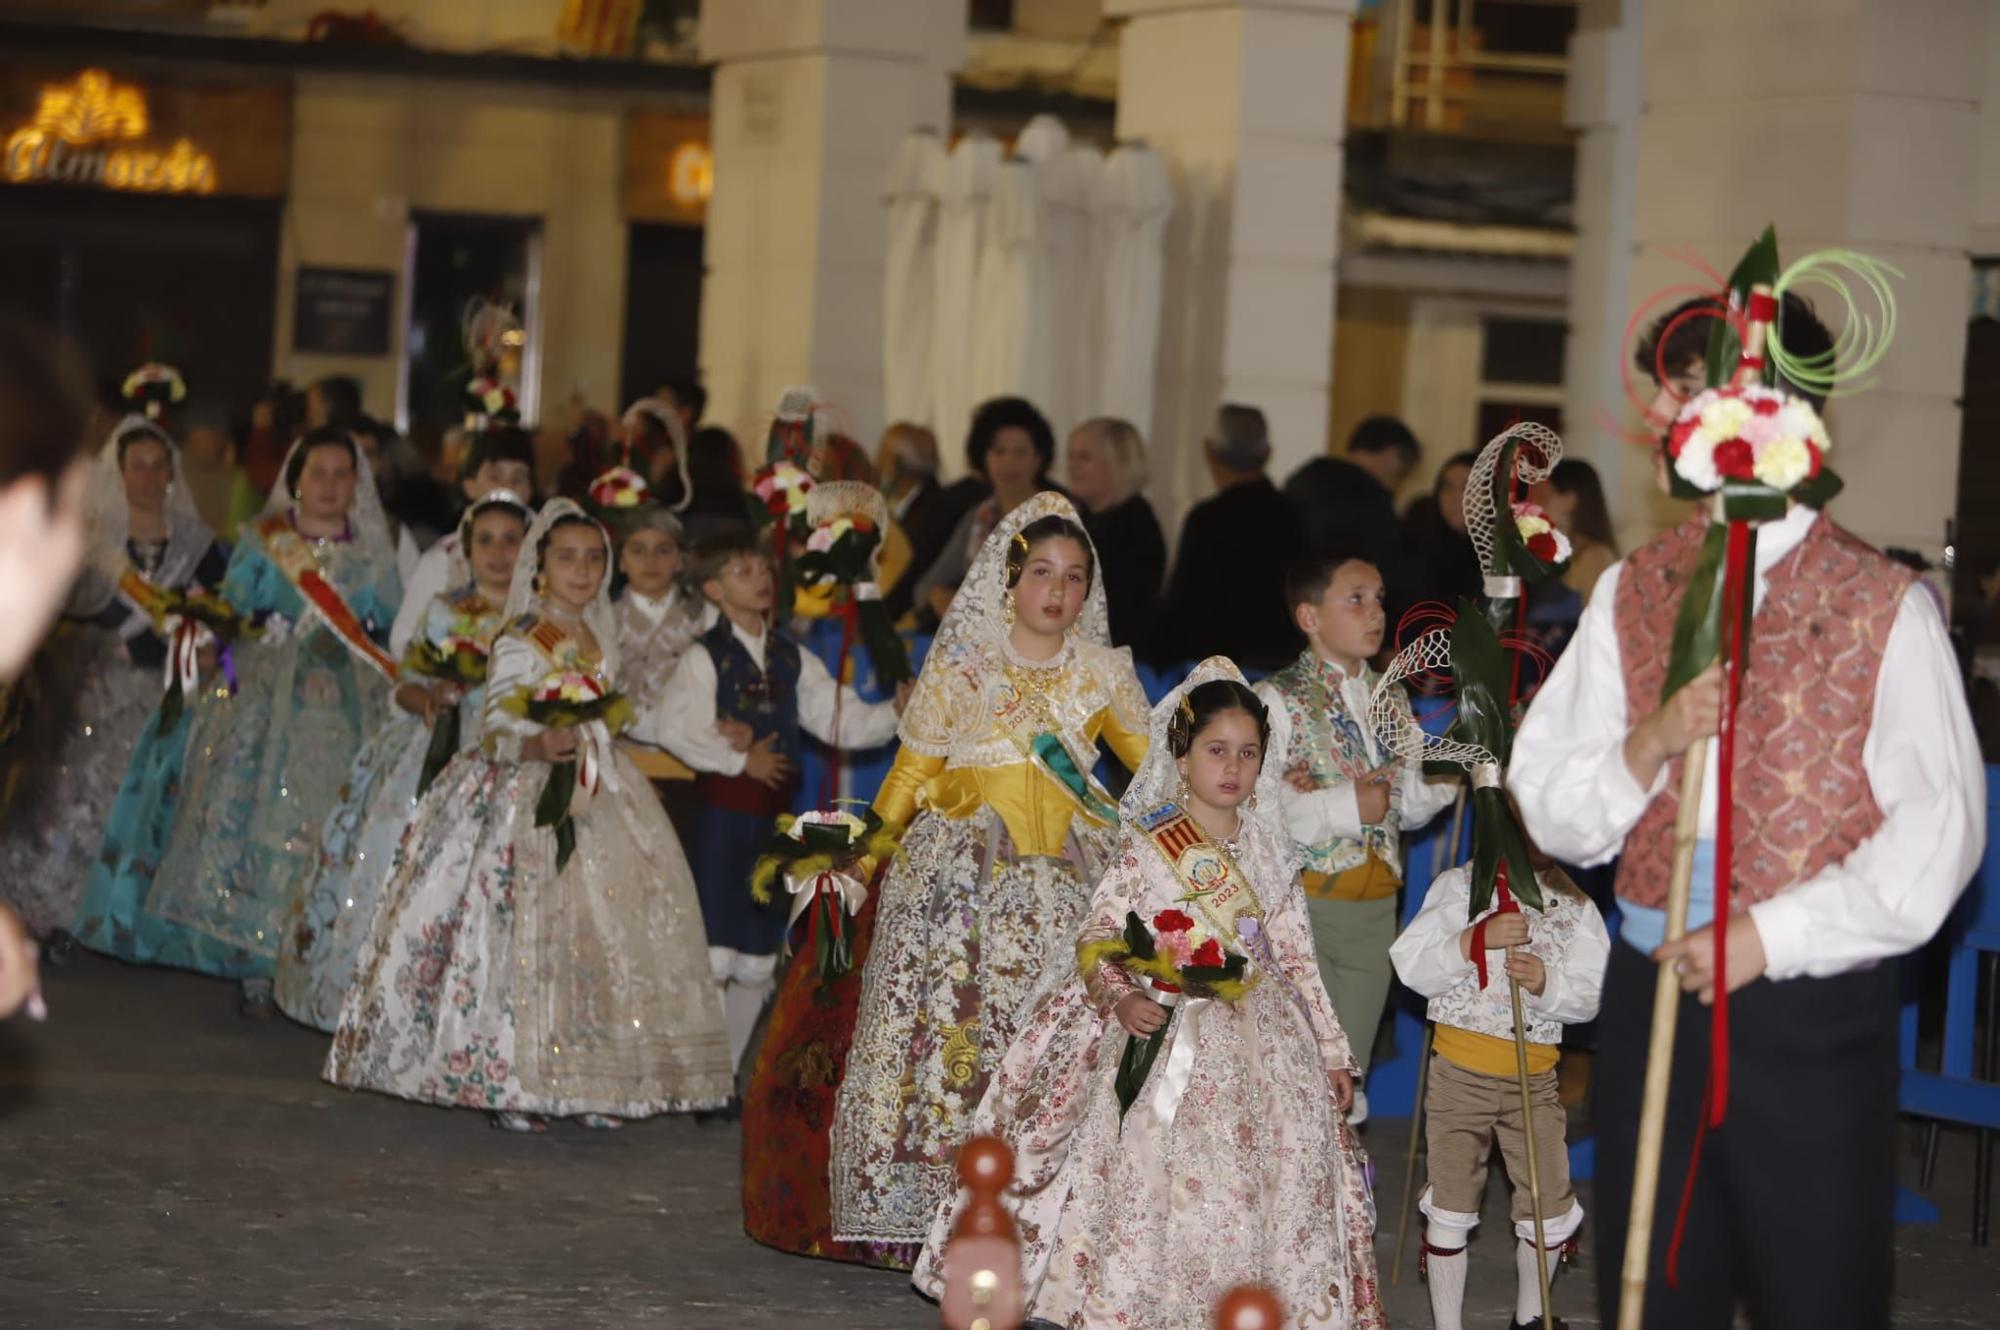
[133,277]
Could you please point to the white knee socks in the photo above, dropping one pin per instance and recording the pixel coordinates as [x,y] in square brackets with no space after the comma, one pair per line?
[1528,1284]
[1446,1274]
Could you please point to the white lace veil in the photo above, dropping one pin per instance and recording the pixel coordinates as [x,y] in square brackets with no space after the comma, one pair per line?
[110,522]
[1158,780]
[522,598]
[365,518]
[670,421]
[972,640]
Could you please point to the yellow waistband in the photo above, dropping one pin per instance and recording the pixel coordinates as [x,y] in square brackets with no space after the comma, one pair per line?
[1490,1056]
[1369,880]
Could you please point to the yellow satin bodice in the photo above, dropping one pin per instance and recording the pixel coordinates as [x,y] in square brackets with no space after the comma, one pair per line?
[1035,809]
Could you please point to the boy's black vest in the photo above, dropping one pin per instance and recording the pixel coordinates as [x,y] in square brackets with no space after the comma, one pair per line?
[766,700]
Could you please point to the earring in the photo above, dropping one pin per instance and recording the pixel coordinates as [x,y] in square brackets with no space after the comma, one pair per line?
[1007,613]
[538,584]
[1252,803]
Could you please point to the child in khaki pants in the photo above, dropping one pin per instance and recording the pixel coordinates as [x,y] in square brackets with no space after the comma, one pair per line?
[1557,955]
[1347,799]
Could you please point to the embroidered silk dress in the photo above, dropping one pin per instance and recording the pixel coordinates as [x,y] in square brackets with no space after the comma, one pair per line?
[1005,834]
[491,979]
[267,764]
[1250,1174]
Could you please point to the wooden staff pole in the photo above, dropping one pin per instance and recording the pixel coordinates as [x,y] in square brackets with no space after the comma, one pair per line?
[1534,1165]
[1410,1156]
[1660,1051]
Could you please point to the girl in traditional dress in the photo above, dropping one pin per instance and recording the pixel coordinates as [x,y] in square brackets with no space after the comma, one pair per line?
[1234,1162]
[266,763]
[336,902]
[498,977]
[998,739]
[98,679]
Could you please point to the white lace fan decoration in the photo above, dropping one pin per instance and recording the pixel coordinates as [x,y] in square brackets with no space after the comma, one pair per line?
[1536,450]
[1427,657]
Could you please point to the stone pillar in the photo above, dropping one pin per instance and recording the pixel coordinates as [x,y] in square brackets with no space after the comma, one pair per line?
[1246,100]
[1602,106]
[1845,123]
[810,99]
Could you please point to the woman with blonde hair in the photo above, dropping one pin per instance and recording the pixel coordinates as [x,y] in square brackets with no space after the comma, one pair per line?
[1107,471]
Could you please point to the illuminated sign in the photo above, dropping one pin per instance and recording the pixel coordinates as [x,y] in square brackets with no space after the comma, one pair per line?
[691,175]
[83,133]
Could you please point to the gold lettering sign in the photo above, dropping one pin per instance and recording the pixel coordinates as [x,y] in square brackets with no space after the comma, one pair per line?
[83,133]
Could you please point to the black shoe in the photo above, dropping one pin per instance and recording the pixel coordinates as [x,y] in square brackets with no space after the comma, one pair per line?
[256,1004]
[1539,1323]
[59,946]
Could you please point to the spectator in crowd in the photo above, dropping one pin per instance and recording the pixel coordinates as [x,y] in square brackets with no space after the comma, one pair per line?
[1011,447]
[1350,502]
[334,400]
[1573,497]
[1107,469]
[208,463]
[906,459]
[1227,594]
[1446,564]
[44,402]
[688,399]
[275,421]
[719,501]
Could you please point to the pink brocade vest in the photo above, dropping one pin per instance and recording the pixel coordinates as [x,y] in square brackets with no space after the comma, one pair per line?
[1802,798]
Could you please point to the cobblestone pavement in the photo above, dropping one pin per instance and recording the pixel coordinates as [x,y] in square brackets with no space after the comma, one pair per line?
[171,1164]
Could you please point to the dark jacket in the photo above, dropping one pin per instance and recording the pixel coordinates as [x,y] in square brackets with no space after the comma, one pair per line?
[1132,561]
[1340,504]
[1227,596]
[928,525]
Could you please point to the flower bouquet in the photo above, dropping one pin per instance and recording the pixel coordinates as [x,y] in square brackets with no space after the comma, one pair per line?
[809,851]
[565,700]
[189,619]
[620,487]
[490,400]
[781,491]
[460,659]
[1179,956]
[841,553]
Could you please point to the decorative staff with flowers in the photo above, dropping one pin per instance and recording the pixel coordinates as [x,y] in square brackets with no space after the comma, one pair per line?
[1751,450]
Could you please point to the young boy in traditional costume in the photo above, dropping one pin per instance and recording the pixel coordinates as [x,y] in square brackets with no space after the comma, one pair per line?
[1857,815]
[735,711]
[1347,801]
[1463,966]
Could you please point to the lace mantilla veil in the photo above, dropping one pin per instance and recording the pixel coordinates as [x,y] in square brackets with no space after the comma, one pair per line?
[521,597]
[1158,780]
[109,521]
[365,519]
[948,703]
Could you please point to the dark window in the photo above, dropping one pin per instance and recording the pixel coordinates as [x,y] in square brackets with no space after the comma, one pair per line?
[1522,351]
[459,259]
[662,308]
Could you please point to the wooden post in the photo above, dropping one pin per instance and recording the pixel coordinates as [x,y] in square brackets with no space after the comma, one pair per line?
[982,1264]
[1660,1051]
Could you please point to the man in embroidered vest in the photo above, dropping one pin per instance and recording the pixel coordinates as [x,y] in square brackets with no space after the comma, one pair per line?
[1859,814]
[735,710]
[1348,800]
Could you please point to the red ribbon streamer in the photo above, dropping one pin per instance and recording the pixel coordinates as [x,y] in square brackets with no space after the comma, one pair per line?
[1506,905]
[1715,1092]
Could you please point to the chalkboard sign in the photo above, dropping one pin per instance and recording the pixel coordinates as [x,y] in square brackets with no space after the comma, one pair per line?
[343,311]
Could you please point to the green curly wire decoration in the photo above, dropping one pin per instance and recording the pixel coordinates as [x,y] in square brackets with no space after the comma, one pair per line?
[1864,337]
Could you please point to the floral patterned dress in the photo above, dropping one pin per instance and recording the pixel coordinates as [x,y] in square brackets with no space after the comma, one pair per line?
[334,905]
[490,979]
[1251,1176]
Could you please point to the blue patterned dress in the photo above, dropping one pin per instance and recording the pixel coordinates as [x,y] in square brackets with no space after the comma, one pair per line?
[201,853]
